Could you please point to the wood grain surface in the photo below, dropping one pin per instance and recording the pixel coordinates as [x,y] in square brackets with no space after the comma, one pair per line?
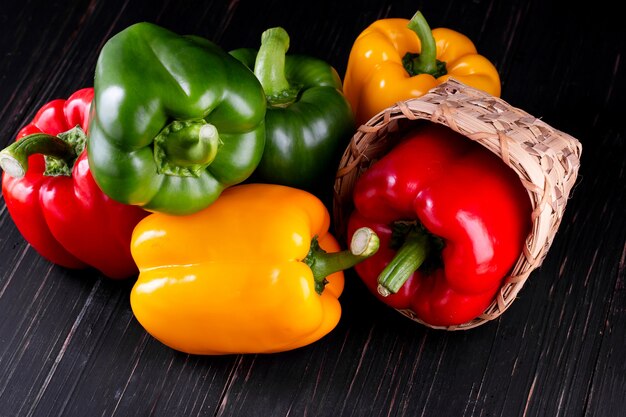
[70,346]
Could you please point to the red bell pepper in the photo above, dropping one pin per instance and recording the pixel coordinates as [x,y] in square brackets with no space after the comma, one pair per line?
[55,202]
[452,219]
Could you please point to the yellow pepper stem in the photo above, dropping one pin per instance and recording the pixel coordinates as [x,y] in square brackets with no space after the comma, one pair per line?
[426,61]
[364,244]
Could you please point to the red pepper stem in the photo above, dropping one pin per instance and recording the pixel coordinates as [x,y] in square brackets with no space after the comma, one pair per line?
[364,244]
[407,260]
[14,158]
[269,68]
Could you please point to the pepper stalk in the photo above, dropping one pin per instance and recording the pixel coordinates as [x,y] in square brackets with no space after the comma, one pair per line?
[364,243]
[269,68]
[415,246]
[186,147]
[426,61]
[60,152]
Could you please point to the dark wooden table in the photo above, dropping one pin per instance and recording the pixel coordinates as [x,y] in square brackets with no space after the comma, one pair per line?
[70,346]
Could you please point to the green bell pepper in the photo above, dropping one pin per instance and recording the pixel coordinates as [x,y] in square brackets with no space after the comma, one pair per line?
[308,121]
[176,120]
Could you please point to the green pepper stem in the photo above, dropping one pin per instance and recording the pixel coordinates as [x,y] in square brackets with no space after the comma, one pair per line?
[426,61]
[364,244]
[14,158]
[407,260]
[269,67]
[186,147]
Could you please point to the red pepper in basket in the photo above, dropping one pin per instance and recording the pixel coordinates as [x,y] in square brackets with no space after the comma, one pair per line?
[55,202]
[452,219]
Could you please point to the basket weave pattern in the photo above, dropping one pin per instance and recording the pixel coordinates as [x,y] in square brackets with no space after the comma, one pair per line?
[545,159]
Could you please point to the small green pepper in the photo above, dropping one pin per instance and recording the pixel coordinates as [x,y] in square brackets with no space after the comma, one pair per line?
[308,120]
[176,120]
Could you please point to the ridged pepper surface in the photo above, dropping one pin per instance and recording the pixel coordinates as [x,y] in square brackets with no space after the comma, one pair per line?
[176,120]
[452,220]
[308,122]
[396,59]
[53,199]
[255,272]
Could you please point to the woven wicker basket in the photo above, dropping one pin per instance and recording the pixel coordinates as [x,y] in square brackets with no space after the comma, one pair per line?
[545,159]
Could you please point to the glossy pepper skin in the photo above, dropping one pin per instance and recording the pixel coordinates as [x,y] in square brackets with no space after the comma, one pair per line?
[176,121]
[61,212]
[237,277]
[308,121]
[396,59]
[452,220]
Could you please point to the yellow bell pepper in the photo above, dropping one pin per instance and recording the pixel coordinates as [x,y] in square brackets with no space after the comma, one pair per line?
[396,59]
[255,272]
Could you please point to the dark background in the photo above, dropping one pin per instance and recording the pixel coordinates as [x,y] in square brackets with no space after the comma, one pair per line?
[69,345]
